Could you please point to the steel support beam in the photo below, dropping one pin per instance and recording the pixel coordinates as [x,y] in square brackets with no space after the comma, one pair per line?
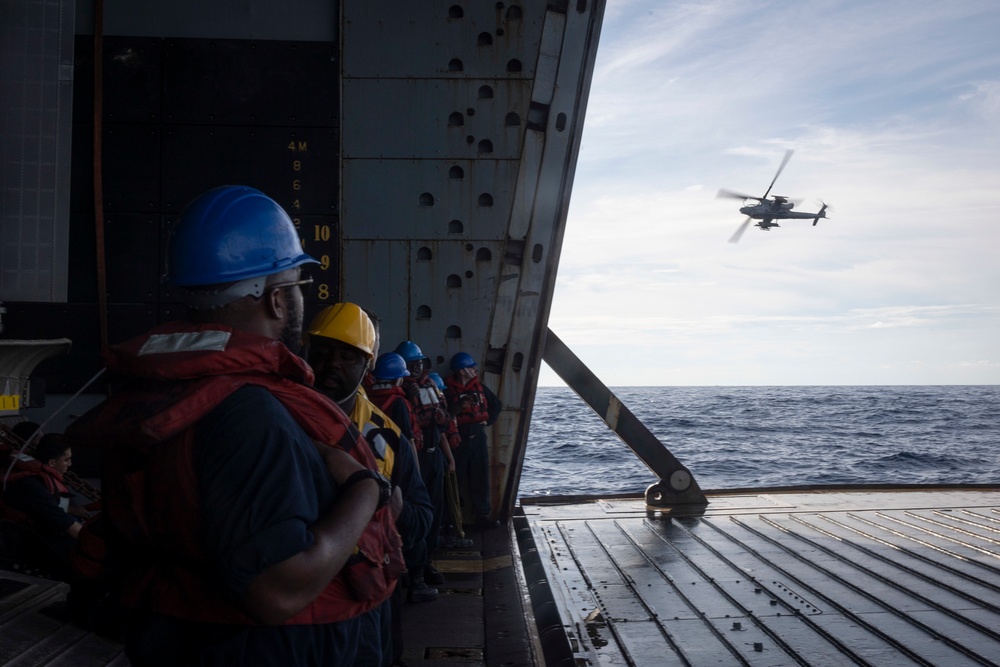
[677,485]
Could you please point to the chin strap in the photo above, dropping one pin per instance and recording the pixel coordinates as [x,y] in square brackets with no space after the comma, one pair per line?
[353,394]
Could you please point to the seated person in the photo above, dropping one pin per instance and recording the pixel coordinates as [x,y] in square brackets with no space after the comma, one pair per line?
[36,499]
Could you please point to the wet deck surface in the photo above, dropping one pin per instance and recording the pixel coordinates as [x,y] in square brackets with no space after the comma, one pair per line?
[869,578]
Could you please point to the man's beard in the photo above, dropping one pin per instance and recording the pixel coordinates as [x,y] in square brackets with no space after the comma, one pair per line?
[291,334]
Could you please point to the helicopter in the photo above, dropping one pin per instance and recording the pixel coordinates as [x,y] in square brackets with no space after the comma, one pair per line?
[769,210]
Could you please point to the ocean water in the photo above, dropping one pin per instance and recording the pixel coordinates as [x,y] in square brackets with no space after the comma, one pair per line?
[736,437]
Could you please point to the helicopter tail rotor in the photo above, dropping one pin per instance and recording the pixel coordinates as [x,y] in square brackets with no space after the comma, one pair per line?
[821,214]
[735,238]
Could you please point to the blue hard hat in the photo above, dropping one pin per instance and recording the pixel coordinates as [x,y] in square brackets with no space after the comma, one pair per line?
[410,351]
[437,380]
[390,366]
[462,360]
[231,233]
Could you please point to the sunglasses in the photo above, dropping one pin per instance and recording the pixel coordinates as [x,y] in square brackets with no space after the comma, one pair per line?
[290,283]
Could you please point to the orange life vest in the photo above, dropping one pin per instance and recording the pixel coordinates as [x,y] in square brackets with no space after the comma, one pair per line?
[426,401]
[176,375]
[385,398]
[475,410]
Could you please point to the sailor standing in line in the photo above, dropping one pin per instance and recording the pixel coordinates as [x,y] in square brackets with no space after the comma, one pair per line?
[431,418]
[246,520]
[474,407]
[341,344]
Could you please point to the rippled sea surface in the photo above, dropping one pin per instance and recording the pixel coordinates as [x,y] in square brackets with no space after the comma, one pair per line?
[735,437]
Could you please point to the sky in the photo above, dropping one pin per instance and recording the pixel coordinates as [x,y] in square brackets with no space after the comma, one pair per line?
[893,110]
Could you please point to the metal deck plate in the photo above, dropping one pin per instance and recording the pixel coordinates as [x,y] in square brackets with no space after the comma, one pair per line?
[778,578]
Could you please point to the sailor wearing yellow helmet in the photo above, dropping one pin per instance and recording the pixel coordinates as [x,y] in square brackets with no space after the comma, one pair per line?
[340,345]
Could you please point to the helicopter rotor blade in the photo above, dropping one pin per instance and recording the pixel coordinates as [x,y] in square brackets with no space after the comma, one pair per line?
[788,156]
[733,195]
[735,238]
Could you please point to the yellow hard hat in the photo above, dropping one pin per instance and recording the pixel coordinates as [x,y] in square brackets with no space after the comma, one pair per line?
[347,323]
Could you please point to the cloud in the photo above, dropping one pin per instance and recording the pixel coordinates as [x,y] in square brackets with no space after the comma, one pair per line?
[984,99]
[746,67]
[892,110]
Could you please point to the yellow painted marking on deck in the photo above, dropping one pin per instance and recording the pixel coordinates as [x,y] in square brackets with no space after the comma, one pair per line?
[472,566]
